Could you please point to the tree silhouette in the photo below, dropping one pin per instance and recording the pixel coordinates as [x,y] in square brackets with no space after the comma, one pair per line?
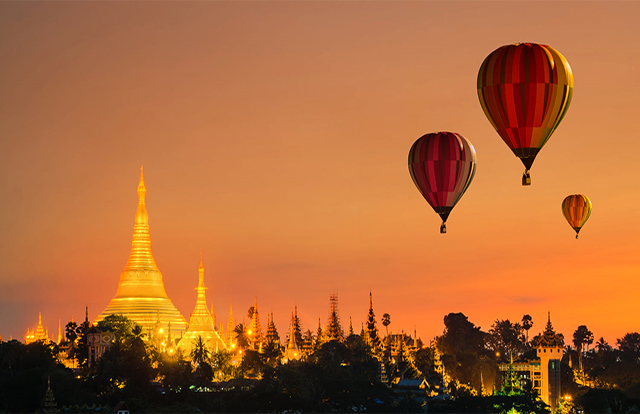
[527,323]
[386,321]
[199,351]
[242,336]
[629,346]
[582,336]
[506,338]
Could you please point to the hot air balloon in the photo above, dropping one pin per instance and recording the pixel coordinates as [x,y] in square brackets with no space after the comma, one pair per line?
[442,165]
[525,90]
[576,209]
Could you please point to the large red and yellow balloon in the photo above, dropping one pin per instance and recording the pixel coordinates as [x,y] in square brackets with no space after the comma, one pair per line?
[525,90]
[576,209]
[442,165]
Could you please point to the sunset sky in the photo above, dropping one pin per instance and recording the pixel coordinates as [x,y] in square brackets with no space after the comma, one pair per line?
[274,138]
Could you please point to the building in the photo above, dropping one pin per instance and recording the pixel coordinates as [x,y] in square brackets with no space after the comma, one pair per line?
[549,351]
[141,295]
[201,322]
[98,342]
[292,351]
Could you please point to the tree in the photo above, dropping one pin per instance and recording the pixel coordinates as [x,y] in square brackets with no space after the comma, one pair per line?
[527,323]
[386,321]
[506,338]
[121,326]
[629,346]
[223,369]
[582,336]
[602,345]
[70,331]
[463,346]
[242,336]
[199,351]
[460,335]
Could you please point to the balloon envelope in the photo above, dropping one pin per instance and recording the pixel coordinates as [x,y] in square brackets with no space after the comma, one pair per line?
[525,90]
[576,209]
[442,165]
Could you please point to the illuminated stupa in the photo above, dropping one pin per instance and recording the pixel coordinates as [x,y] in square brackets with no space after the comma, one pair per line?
[141,296]
[39,334]
[201,322]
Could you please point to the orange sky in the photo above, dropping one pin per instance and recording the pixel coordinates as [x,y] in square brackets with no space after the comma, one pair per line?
[274,137]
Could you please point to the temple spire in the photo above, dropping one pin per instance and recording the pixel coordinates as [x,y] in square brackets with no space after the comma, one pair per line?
[142,218]
[201,277]
[201,323]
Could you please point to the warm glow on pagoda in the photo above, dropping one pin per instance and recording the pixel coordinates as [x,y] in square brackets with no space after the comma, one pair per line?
[39,334]
[201,322]
[141,295]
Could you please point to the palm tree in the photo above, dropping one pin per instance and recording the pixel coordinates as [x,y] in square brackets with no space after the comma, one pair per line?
[386,321]
[199,351]
[602,345]
[527,323]
[582,336]
[242,336]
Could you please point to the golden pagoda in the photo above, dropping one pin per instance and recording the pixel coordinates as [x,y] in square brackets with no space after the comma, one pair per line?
[201,322]
[39,334]
[293,352]
[141,296]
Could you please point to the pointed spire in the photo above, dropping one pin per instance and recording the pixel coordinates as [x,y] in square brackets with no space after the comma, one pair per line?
[201,323]
[142,218]
[292,335]
[200,276]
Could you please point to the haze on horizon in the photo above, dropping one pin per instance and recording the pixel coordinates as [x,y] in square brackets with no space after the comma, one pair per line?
[274,138]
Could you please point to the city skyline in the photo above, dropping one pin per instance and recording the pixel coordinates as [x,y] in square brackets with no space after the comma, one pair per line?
[274,137]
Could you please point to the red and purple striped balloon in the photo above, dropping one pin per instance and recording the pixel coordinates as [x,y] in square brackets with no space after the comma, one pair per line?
[442,165]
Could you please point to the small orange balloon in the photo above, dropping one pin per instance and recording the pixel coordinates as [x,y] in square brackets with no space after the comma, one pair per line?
[576,209]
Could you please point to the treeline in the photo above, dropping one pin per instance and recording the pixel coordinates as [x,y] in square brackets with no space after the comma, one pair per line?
[343,374]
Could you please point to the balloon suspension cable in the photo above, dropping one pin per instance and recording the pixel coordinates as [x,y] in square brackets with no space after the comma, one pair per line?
[526,177]
[443,228]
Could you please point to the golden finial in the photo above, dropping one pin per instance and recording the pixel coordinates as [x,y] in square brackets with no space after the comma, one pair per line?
[141,214]
[141,188]
[201,287]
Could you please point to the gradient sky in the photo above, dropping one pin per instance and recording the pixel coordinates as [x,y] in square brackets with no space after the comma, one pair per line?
[274,137]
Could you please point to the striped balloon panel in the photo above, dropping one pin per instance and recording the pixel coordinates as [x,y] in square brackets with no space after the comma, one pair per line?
[442,165]
[576,209]
[525,91]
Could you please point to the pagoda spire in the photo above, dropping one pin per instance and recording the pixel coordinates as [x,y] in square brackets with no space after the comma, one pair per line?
[201,322]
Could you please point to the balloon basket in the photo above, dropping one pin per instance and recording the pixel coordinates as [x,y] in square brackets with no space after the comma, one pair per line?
[526,178]
[576,236]
[443,229]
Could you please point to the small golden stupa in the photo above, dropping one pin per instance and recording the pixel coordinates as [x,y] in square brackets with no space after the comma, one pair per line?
[40,334]
[141,296]
[201,322]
